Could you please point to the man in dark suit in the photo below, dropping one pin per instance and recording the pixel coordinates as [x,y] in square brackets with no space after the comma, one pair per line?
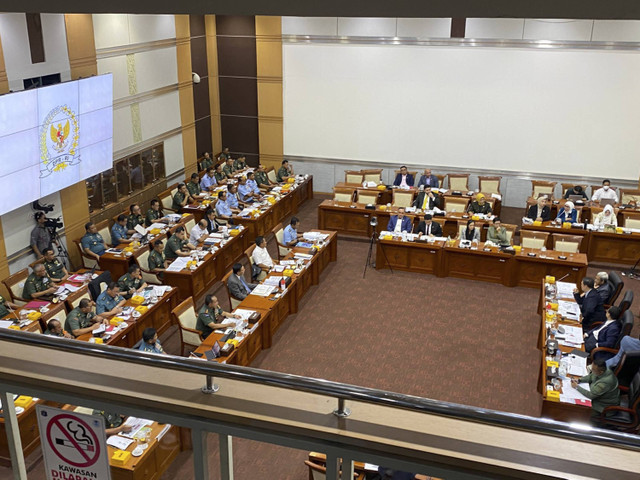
[210,217]
[427,200]
[602,286]
[540,211]
[429,180]
[590,302]
[403,179]
[238,286]
[399,223]
[429,227]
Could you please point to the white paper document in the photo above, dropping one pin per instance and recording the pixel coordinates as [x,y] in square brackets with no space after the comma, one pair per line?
[565,289]
[263,290]
[136,425]
[178,264]
[576,365]
[5,323]
[570,394]
[570,310]
[121,443]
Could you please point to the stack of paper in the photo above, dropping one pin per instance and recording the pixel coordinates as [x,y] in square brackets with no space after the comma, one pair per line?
[263,290]
[314,236]
[576,365]
[178,264]
[136,425]
[273,280]
[565,289]
[570,310]
[121,443]
[571,395]
[159,226]
[5,323]
[572,336]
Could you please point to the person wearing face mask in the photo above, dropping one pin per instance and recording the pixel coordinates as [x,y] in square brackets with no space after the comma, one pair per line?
[606,217]
[606,192]
[568,213]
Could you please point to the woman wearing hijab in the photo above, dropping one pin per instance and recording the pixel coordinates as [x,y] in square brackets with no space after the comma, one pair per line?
[471,233]
[605,335]
[480,205]
[606,217]
[540,212]
[568,213]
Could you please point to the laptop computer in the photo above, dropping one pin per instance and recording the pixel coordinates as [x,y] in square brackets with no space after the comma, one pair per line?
[607,201]
[576,198]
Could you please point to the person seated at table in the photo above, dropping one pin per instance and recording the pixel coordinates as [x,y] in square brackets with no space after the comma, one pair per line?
[240,163]
[403,179]
[219,175]
[110,302]
[83,319]
[238,286]
[245,193]
[119,232]
[209,314]
[4,311]
[193,186]
[470,232]
[92,242]
[131,282]
[606,217]
[56,270]
[155,214]
[605,335]
[284,172]
[262,179]
[177,245]
[540,212]
[222,206]
[150,342]
[290,235]
[199,233]
[428,180]
[54,329]
[603,388]
[399,223]
[224,154]
[260,255]
[568,213]
[229,168]
[576,190]
[156,262]
[206,161]
[210,218]
[591,305]
[601,285]
[255,190]
[113,422]
[605,192]
[427,200]
[38,286]
[429,227]
[181,198]
[208,182]
[479,205]
[497,234]
[627,344]
[232,199]
[134,218]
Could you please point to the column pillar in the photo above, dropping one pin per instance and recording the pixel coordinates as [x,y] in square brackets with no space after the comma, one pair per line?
[185,92]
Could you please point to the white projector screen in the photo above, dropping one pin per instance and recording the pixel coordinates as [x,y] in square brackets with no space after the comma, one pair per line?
[53,137]
[527,110]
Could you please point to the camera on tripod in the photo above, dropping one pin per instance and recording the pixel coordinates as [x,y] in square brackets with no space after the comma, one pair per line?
[51,224]
[373,221]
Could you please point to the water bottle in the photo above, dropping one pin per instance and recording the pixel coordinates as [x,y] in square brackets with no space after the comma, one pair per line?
[283,284]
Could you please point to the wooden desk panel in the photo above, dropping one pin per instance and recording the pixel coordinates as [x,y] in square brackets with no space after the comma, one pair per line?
[410,256]
[529,270]
[29,434]
[614,247]
[476,264]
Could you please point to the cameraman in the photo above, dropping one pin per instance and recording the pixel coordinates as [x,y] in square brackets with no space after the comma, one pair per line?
[40,237]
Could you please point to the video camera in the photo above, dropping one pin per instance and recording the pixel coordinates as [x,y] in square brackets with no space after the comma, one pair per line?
[52,224]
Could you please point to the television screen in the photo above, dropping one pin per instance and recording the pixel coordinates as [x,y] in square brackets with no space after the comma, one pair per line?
[53,137]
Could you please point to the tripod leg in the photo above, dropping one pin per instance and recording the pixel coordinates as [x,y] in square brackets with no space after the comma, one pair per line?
[368,262]
[384,254]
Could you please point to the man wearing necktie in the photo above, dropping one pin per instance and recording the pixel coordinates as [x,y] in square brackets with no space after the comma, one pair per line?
[238,286]
[429,180]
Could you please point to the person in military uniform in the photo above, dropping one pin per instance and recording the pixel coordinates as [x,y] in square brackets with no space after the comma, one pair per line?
[5,305]
[232,199]
[150,342]
[131,282]
[206,161]
[224,155]
[208,182]
[38,286]
[193,187]
[113,422]
[240,163]
[40,237]
[251,182]
[262,179]
[56,271]
[54,328]
[135,218]
[155,213]
[219,175]
[119,232]
[92,242]
[110,302]
[229,168]
[209,313]
[480,205]
[82,319]
[284,172]
[177,245]
[181,198]
[157,262]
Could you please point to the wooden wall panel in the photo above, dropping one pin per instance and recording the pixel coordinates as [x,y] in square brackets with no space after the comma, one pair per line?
[4,264]
[185,92]
[214,89]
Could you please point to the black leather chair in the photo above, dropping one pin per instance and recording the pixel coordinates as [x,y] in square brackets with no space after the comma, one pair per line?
[627,368]
[627,300]
[626,322]
[617,285]
[625,417]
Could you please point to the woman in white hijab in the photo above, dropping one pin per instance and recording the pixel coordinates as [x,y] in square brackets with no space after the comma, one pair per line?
[606,217]
[568,213]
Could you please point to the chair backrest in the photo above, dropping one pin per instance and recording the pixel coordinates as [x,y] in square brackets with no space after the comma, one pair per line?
[372,175]
[33,264]
[566,243]
[189,226]
[15,285]
[343,194]
[462,224]
[511,231]
[567,186]
[186,317]
[441,179]
[459,181]
[631,222]
[234,302]
[541,186]
[627,368]
[533,239]
[628,195]
[166,199]
[141,257]
[489,184]
[626,302]
[271,175]
[73,299]
[413,174]
[278,233]
[355,177]
[367,196]
[56,312]
[316,472]
[616,286]
[402,198]
[456,204]
[87,262]
[104,231]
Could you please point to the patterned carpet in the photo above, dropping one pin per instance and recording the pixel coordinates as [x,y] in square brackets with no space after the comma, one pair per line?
[443,338]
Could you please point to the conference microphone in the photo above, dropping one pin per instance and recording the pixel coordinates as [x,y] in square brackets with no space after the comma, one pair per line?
[559,280]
